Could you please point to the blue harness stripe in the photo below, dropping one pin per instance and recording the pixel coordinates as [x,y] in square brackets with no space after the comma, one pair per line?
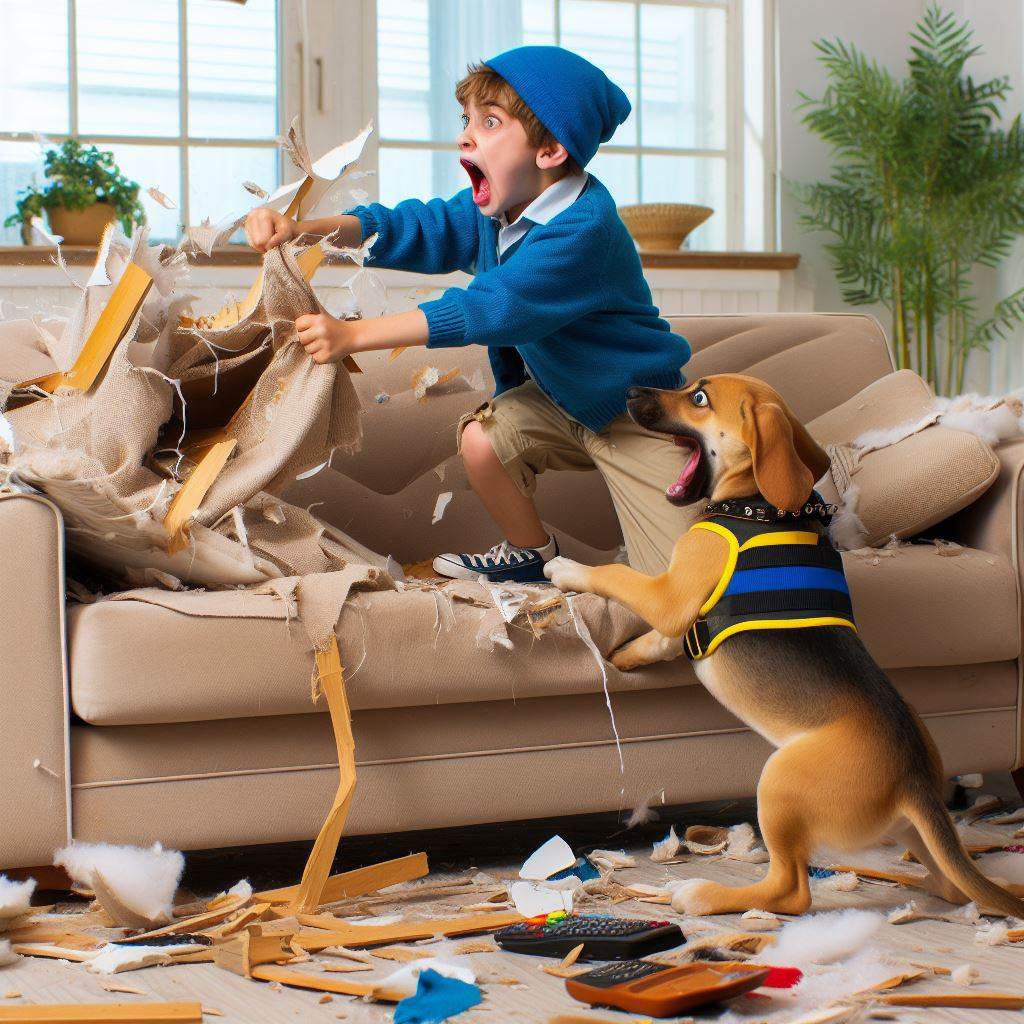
[796,577]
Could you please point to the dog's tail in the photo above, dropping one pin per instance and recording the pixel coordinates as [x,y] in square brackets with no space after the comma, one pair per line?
[925,811]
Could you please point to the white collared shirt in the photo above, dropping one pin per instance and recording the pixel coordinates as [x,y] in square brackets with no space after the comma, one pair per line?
[553,200]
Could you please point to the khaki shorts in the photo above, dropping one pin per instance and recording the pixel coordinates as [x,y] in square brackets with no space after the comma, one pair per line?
[530,434]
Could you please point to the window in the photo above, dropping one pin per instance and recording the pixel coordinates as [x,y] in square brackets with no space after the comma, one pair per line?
[696,132]
[185,93]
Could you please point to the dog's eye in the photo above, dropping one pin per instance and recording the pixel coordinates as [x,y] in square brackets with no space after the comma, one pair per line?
[699,398]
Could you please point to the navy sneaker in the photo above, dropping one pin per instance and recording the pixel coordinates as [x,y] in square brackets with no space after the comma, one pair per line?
[504,563]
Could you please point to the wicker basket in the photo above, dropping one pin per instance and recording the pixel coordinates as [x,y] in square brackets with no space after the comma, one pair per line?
[662,226]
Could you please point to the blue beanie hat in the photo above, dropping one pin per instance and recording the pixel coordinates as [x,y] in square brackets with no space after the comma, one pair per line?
[575,100]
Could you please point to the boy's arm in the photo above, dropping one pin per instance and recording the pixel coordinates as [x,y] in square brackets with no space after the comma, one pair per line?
[435,237]
[559,279]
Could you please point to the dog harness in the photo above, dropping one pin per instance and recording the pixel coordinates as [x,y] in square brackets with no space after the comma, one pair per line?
[781,573]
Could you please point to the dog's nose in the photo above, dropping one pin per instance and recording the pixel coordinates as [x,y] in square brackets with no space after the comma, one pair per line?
[635,393]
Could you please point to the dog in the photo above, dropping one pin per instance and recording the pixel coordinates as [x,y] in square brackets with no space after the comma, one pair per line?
[853,762]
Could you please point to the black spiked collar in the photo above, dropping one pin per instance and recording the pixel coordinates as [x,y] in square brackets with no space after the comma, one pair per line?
[754,507]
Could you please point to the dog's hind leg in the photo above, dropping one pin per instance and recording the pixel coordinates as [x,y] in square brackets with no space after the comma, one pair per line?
[935,881]
[784,828]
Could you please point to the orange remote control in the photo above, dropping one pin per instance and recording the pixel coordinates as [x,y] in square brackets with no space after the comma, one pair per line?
[661,990]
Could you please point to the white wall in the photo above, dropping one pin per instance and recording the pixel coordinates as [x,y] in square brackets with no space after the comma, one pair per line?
[881,29]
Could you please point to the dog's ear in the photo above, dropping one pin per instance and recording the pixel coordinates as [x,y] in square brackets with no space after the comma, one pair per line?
[780,471]
[813,456]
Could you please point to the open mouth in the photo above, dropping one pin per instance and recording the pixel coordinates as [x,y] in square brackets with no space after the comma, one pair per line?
[690,482]
[481,186]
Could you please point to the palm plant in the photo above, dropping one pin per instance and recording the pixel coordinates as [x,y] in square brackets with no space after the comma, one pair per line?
[928,185]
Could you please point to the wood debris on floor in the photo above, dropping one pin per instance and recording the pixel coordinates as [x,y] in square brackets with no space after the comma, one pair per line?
[877,947]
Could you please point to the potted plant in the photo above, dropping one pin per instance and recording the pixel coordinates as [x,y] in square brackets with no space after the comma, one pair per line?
[85,192]
[928,187]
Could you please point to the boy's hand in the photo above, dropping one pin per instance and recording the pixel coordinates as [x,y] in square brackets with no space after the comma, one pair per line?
[326,339]
[266,228]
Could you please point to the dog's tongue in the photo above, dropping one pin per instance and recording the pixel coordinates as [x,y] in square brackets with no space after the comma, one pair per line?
[677,491]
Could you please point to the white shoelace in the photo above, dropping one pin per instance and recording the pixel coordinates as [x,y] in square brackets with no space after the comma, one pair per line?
[501,554]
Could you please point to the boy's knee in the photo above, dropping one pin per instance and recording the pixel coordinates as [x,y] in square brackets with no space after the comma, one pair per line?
[474,447]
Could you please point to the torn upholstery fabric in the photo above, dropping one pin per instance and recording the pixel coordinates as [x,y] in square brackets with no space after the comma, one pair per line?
[116,455]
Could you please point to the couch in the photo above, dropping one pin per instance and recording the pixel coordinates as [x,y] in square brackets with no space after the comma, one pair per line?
[132,721]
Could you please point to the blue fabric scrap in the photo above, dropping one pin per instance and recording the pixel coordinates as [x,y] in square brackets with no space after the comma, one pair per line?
[437,998]
[583,869]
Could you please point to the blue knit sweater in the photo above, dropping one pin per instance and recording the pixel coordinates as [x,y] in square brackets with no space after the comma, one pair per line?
[568,300]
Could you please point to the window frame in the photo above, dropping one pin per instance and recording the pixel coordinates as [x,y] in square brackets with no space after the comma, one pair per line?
[736,113]
[183,141]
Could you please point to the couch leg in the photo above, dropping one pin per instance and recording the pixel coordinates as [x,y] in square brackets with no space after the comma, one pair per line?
[1018,780]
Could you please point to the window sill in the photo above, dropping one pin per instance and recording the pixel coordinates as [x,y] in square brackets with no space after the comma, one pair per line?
[242,256]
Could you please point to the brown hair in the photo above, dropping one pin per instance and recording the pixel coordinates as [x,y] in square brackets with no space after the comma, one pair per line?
[483,85]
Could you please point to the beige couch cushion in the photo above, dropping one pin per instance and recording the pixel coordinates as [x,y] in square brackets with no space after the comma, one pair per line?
[403,650]
[905,487]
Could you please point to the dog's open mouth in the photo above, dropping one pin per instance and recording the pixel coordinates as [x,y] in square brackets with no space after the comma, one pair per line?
[694,471]
[481,186]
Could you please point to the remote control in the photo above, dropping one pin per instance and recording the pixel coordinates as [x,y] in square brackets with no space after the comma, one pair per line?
[603,937]
[661,990]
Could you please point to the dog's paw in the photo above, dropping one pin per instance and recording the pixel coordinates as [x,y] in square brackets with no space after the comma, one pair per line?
[690,897]
[567,574]
[646,650]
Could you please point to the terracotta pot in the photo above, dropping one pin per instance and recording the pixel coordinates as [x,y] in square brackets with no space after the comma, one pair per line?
[81,227]
[662,226]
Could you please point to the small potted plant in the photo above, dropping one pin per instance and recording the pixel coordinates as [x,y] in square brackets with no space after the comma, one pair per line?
[85,192]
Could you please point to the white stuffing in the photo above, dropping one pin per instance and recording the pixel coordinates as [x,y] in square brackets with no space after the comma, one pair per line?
[406,979]
[15,898]
[666,849]
[612,859]
[973,781]
[7,955]
[142,882]
[113,959]
[823,938]
[843,881]
[996,934]
[845,529]
[644,813]
[965,974]
[742,845]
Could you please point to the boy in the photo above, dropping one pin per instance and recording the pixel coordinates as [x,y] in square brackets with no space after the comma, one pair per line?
[559,298]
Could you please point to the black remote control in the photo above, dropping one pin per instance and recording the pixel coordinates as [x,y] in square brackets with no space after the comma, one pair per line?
[603,937]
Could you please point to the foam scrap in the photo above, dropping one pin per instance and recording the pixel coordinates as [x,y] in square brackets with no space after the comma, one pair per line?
[823,938]
[644,813]
[15,898]
[440,506]
[134,885]
[666,849]
[548,859]
[7,955]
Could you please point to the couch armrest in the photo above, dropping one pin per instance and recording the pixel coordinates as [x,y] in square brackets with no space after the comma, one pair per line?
[993,522]
[35,805]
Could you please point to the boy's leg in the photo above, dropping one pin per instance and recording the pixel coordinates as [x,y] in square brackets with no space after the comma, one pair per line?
[504,445]
[638,467]
[513,511]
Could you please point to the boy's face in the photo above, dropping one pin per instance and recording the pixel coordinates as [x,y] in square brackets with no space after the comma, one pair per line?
[505,170]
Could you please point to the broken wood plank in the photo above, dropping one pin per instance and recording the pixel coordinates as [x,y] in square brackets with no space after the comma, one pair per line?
[94,1013]
[314,876]
[913,881]
[319,983]
[957,1000]
[195,924]
[50,952]
[336,932]
[358,882]
[252,947]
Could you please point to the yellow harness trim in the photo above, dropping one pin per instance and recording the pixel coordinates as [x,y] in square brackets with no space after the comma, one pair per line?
[760,540]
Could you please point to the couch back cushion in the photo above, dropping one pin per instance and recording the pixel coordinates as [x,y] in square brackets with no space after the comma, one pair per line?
[385,494]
